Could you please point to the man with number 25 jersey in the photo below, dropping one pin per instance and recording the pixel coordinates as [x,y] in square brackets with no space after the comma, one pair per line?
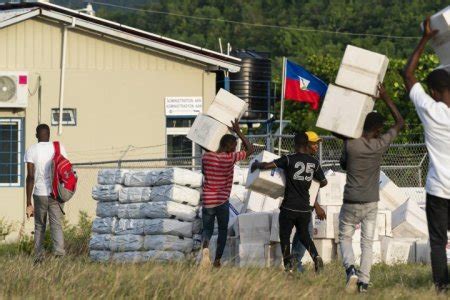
[300,169]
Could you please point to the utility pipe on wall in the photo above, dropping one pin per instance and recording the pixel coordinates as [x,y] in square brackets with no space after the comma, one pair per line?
[63,73]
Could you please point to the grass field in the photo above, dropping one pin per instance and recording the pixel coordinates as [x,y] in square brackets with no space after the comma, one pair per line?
[77,277]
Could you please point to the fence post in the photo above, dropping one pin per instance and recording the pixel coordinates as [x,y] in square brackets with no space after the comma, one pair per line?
[320,152]
[419,173]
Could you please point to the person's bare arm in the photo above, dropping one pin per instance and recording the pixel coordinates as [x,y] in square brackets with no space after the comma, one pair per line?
[29,189]
[249,149]
[262,166]
[408,73]
[399,121]
[320,212]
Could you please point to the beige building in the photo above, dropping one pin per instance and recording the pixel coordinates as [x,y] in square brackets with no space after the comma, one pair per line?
[124,93]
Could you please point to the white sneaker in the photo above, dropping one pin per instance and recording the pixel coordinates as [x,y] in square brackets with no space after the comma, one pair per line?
[352,281]
[205,261]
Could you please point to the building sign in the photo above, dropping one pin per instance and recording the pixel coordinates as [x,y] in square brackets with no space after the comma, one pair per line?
[184,106]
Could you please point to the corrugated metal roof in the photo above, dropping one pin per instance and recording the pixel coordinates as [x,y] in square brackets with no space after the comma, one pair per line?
[11,13]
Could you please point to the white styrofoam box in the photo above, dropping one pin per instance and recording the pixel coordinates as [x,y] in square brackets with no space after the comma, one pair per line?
[207,132]
[141,178]
[362,70]
[240,175]
[418,194]
[236,207]
[391,196]
[274,256]
[423,251]
[106,193]
[163,256]
[179,176]
[384,222]
[254,202]
[376,250]
[128,242]
[275,227]
[441,42]
[111,176]
[325,229]
[252,255]
[313,192]
[107,209]
[130,226]
[326,248]
[409,220]
[254,227]
[226,107]
[267,182]
[397,250]
[271,204]
[99,255]
[134,194]
[168,243]
[333,192]
[104,225]
[128,257]
[230,252]
[239,192]
[170,209]
[167,226]
[344,111]
[176,193]
[100,242]
[131,211]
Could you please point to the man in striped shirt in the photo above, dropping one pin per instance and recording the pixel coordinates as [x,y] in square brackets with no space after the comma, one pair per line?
[218,169]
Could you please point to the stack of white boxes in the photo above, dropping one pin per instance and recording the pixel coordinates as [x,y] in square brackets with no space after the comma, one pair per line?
[209,128]
[347,104]
[441,42]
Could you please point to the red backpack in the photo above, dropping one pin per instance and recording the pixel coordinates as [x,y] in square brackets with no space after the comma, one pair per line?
[64,178]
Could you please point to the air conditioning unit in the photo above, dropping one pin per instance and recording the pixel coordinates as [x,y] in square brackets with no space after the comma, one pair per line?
[13,89]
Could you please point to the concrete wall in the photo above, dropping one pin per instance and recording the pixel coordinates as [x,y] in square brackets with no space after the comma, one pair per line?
[118,90]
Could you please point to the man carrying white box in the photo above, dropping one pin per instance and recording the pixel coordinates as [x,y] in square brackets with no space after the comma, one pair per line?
[299,169]
[434,112]
[218,170]
[361,159]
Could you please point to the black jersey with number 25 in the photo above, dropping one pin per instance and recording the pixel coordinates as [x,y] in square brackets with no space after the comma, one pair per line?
[300,169]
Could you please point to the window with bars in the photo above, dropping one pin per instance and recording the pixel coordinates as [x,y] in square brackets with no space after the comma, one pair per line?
[11,152]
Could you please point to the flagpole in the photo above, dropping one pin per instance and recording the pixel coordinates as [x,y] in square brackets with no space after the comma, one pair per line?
[283,87]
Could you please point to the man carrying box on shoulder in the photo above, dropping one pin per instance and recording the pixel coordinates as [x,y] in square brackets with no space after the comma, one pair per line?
[362,160]
[434,112]
[218,170]
[300,169]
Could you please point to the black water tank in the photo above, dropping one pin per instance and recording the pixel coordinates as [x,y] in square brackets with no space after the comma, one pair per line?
[252,83]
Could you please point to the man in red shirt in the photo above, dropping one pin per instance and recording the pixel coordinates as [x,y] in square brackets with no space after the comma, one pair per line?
[218,169]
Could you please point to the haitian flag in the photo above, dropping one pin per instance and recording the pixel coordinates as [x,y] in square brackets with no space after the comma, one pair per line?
[302,86]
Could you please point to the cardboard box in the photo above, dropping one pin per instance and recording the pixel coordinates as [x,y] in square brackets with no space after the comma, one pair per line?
[391,196]
[254,227]
[362,70]
[226,107]
[325,229]
[409,221]
[377,255]
[384,223]
[333,192]
[252,255]
[441,42]
[396,250]
[344,111]
[267,182]
[207,132]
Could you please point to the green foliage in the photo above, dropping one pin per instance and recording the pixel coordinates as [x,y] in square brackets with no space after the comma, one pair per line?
[76,239]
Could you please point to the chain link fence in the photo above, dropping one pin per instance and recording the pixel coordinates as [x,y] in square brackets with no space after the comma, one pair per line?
[405,164]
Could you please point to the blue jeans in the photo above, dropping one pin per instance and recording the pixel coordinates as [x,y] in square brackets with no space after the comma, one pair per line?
[298,249]
[222,213]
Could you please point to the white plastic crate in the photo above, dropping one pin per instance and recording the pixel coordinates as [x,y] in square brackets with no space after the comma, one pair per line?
[344,111]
